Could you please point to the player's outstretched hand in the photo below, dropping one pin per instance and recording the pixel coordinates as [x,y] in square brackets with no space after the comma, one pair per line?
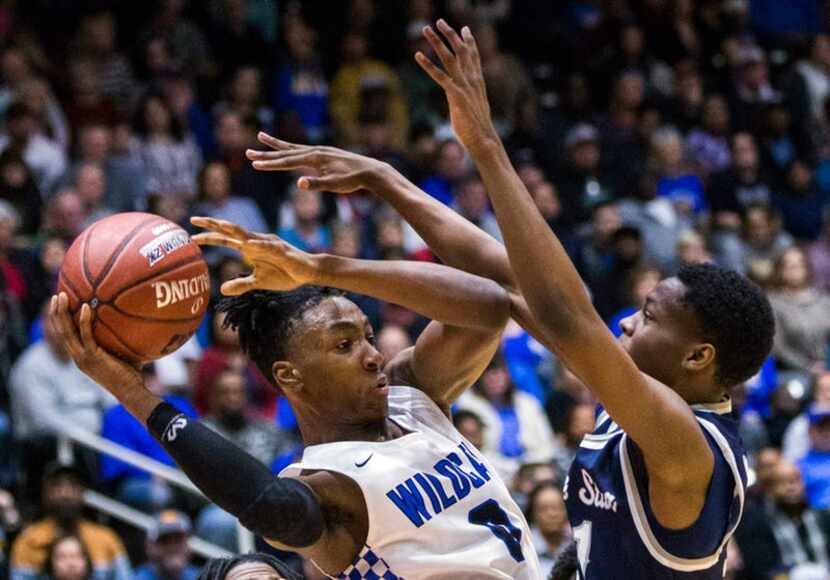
[336,170]
[277,265]
[463,82]
[105,369]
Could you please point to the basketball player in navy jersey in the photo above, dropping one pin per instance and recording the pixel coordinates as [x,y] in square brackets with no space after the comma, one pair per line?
[656,491]
[387,487]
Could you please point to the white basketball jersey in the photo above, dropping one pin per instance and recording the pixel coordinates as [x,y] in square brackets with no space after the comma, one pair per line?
[436,507]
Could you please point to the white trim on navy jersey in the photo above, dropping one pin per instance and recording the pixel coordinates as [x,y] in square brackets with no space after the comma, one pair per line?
[638,514]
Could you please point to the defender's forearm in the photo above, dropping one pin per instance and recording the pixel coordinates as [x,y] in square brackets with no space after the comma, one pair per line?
[545,274]
[454,239]
[432,290]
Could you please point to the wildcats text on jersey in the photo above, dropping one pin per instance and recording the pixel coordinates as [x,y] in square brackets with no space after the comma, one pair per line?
[408,496]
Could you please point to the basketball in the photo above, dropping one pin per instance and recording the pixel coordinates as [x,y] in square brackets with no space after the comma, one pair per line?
[145,280]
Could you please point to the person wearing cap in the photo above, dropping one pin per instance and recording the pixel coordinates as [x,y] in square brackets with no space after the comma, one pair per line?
[168,551]
[581,183]
[815,466]
[796,442]
[63,487]
[751,90]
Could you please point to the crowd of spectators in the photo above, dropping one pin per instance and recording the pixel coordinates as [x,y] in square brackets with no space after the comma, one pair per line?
[650,133]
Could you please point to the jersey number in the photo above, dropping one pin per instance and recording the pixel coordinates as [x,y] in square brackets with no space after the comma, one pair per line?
[582,536]
[491,514]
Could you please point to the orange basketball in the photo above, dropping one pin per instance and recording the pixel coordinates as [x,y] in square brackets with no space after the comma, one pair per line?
[145,280]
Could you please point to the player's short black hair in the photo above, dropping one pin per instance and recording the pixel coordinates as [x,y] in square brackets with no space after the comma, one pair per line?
[218,568]
[734,315]
[265,320]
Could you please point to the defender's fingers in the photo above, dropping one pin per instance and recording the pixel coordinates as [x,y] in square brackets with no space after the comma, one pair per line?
[452,37]
[238,286]
[222,226]
[216,239]
[433,71]
[275,143]
[287,162]
[257,155]
[321,183]
[472,45]
[208,223]
[445,55]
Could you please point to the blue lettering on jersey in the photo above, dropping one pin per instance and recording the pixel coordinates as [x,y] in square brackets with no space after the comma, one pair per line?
[408,496]
[410,501]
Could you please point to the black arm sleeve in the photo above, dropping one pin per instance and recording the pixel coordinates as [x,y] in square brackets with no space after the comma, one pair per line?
[281,509]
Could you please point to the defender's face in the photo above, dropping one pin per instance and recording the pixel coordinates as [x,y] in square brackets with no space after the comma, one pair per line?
[342,370]
[659,334]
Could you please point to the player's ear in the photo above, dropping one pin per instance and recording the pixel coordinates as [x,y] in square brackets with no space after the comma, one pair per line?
[287,376]
[699,357]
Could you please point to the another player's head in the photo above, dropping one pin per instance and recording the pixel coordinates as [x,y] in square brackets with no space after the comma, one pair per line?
[316,346]
[701,332]
[246,567]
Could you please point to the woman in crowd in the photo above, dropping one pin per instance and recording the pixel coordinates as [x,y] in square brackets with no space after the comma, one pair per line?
[802,314]
[548,521]
[68,560]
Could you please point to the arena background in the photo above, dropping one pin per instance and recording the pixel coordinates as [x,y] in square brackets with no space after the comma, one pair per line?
[651,133]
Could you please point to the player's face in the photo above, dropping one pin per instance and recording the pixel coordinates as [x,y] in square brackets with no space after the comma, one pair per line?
[342,370]
[659,335]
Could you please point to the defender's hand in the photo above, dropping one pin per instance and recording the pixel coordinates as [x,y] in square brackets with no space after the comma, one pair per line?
[337,170]
[276,264]
[110,372]
[463,81]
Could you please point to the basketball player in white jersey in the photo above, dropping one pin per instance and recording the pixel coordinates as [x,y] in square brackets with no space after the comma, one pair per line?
[387,487]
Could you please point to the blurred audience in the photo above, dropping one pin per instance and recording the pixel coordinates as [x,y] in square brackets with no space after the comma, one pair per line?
[33,550]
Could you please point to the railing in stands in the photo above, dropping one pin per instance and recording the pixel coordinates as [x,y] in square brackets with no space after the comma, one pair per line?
[70,435]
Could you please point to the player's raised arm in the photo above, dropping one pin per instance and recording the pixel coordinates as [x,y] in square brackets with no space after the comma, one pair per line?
[285,510]
[678,457]
[468,312]
[455,240]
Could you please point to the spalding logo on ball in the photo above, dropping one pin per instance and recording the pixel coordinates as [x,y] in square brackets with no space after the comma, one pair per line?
[145,280]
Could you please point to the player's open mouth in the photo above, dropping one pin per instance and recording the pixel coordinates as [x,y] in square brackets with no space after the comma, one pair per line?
[382,387]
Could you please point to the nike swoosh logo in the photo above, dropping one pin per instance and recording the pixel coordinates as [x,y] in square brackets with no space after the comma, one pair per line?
[365,462]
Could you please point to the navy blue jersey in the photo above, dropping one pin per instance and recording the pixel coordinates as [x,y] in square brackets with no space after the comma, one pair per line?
[617,534]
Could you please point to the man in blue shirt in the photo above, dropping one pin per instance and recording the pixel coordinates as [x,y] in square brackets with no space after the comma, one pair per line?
[815,467]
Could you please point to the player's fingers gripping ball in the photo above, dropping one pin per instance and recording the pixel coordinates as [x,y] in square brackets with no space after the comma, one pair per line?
[145,281]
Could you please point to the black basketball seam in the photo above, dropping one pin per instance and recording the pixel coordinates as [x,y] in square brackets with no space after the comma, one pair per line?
[117,252]
[118,338]
[169,269]
[69,285]
[148,319]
